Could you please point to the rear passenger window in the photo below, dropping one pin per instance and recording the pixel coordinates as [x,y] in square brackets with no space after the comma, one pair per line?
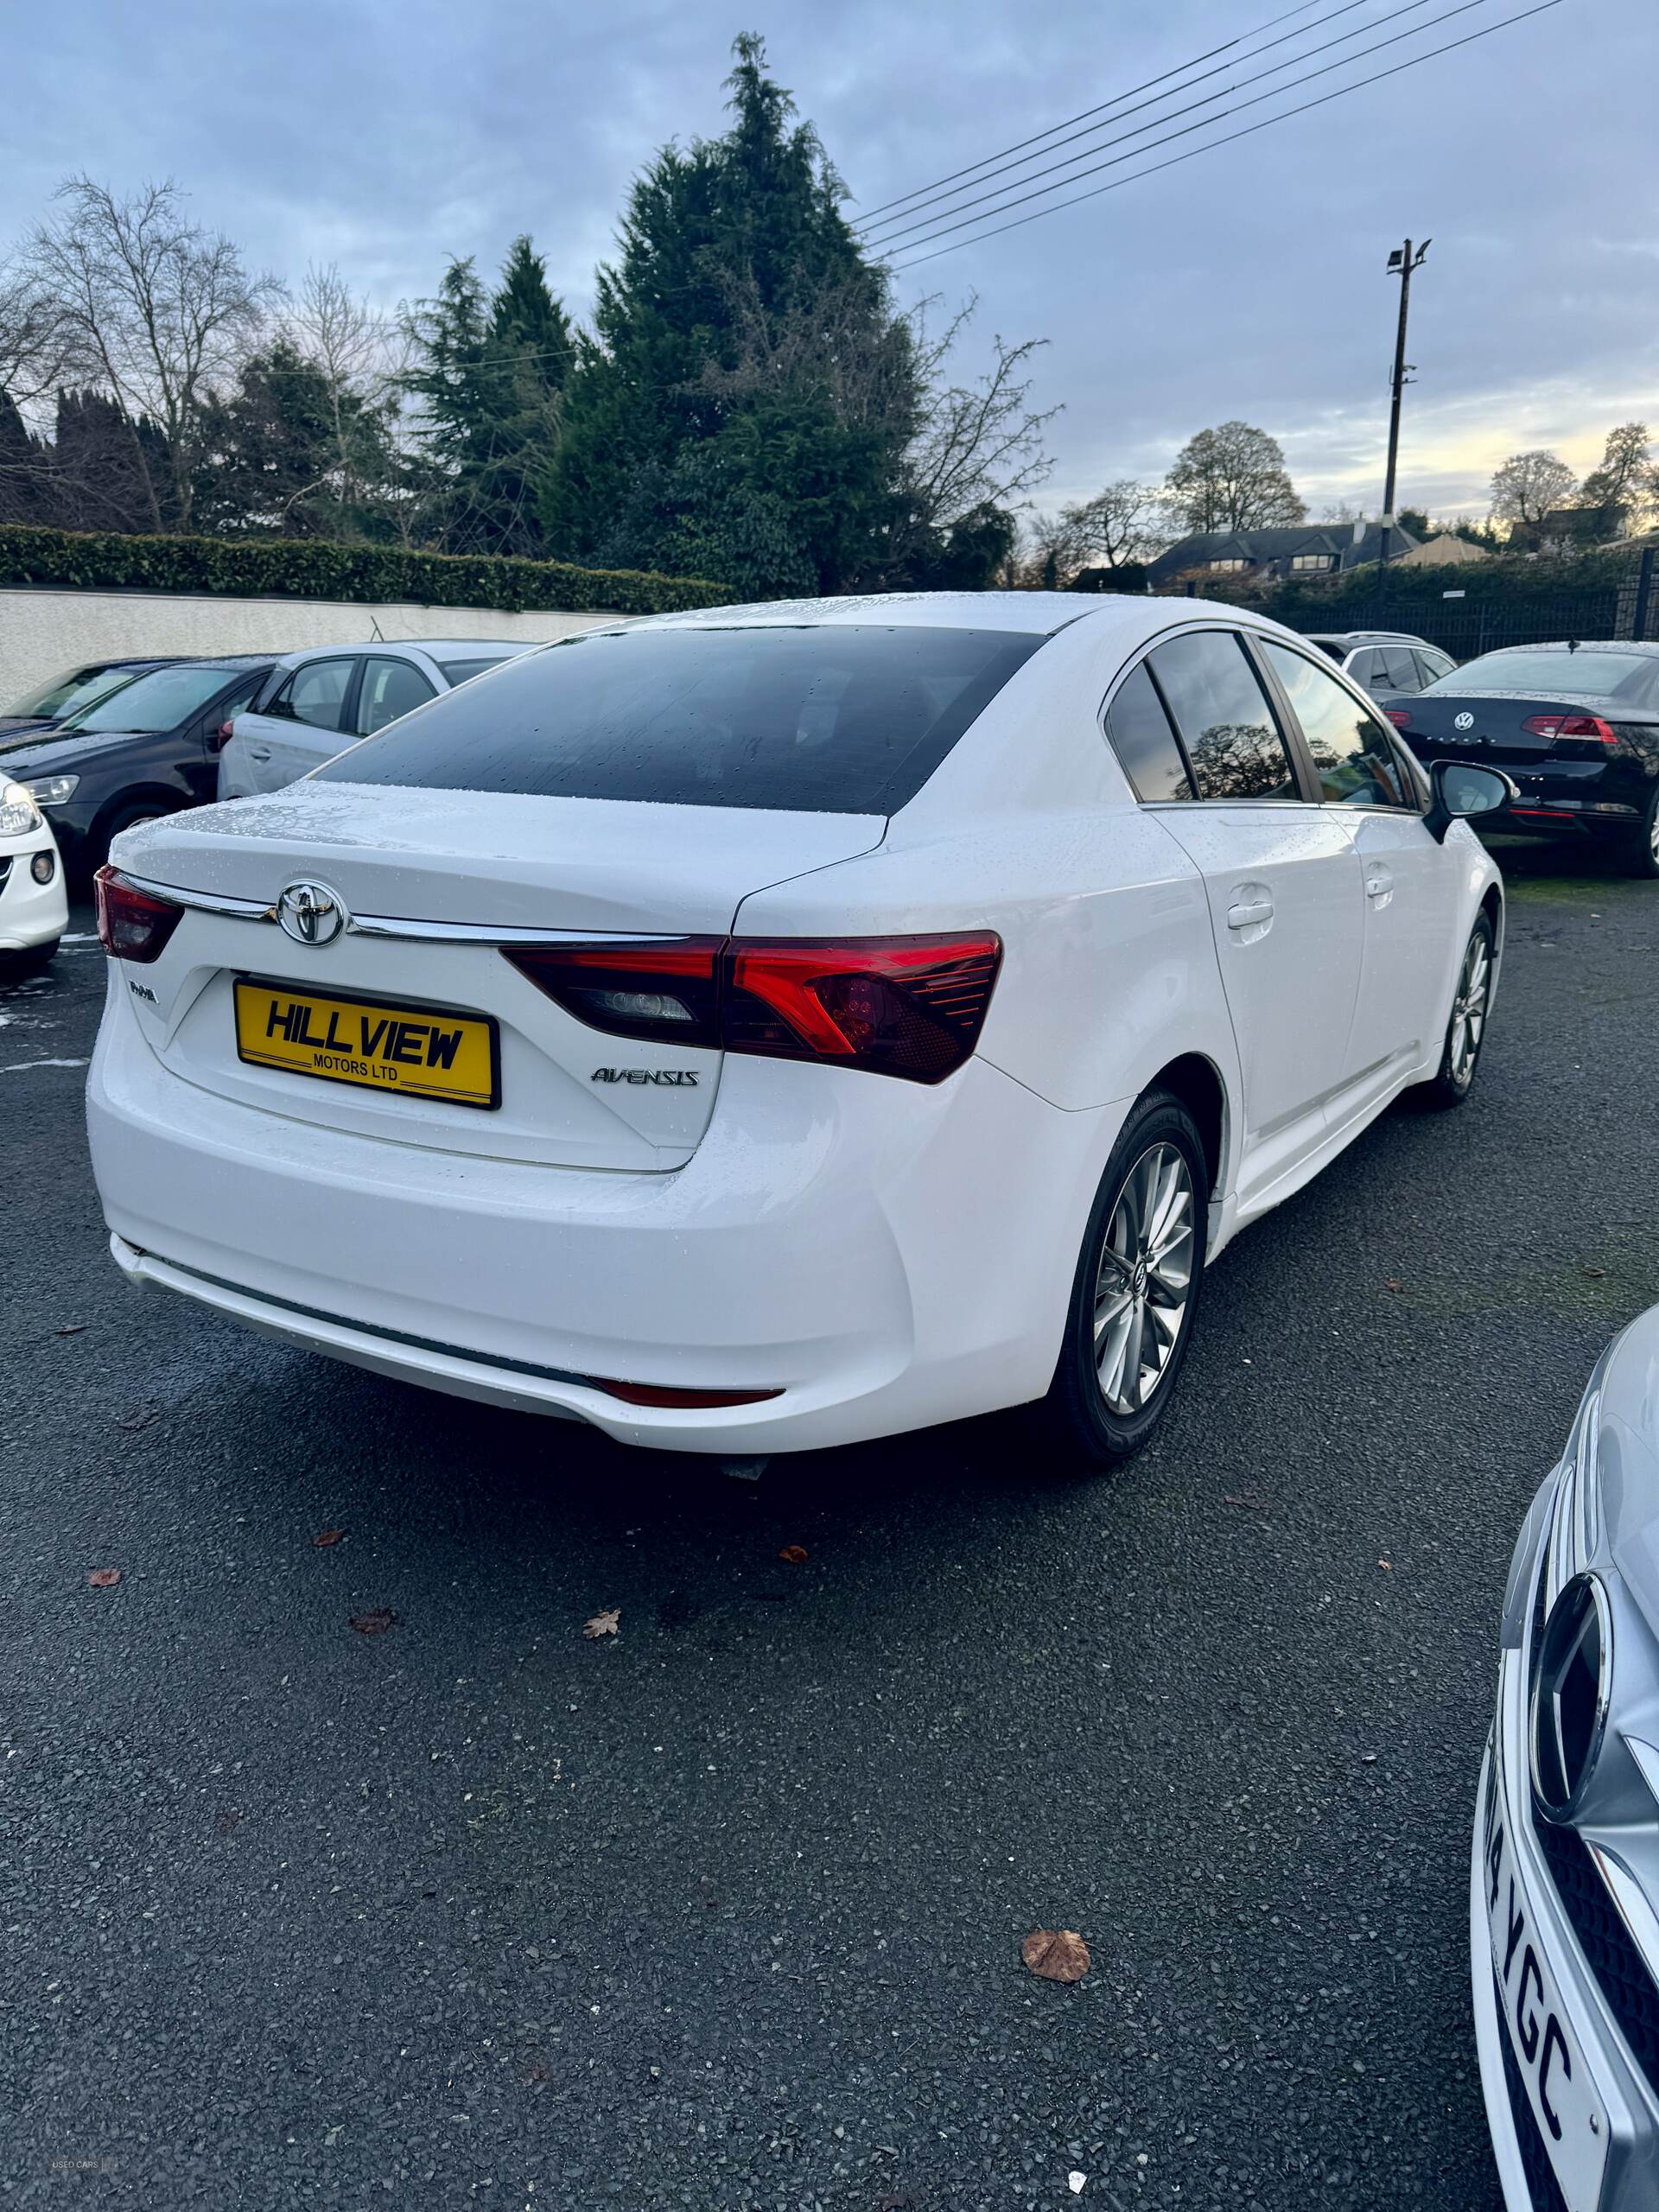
[1366,666]
[390,689]
[1222,713]
[1398,669]
[315,693]
[1144,742]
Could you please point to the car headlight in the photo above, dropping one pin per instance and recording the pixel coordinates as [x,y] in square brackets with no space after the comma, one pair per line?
[18,812]
[52,791]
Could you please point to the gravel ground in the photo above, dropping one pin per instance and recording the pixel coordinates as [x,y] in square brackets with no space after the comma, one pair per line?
[725,1911]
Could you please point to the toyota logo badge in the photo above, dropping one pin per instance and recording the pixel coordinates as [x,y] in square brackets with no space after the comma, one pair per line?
[311,914]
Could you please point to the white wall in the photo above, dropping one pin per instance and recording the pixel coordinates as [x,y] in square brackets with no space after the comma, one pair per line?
[43,632]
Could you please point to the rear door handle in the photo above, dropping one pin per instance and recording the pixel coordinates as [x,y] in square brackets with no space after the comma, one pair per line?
[258,753]
[1379,880]
[1249,913]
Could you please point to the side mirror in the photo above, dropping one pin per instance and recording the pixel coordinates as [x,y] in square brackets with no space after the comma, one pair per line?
[1461,790]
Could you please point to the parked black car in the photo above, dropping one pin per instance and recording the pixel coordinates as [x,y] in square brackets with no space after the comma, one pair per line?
[1577,726]
[149,747]
[59,700]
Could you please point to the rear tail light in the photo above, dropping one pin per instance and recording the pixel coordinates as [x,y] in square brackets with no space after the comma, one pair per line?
[911,1006]
[132,925]
[1399,717]
[1591,726]
[663,993]
[221,737]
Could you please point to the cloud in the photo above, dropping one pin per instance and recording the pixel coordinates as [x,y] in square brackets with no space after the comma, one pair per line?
[389,135]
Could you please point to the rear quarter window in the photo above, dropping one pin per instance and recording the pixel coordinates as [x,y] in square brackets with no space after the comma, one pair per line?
[833,718]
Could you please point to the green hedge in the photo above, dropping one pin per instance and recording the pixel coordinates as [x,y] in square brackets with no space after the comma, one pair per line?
[1509,583]
[291,567]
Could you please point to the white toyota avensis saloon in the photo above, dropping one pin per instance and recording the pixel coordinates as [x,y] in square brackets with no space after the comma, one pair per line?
[774,1027]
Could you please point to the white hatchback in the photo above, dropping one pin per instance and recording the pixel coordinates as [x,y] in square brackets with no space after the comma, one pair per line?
[315,704]
[34,907]
[779,1025]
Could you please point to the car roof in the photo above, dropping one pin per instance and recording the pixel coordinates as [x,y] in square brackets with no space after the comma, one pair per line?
[430,646]
[230,662]
[1025,613]
[1043,612]
[1641,648]
[1366,638]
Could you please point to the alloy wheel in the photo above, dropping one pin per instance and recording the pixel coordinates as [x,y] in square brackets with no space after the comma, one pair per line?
[1145,1278]
[1469,1010]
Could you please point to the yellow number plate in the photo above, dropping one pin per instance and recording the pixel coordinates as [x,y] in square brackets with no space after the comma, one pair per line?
[419,1050]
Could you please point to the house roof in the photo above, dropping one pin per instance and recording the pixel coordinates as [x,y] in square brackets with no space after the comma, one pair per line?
[1282,541]
[1444,549]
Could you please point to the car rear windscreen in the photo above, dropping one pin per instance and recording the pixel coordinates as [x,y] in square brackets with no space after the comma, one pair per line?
[827,719]
[1585,674]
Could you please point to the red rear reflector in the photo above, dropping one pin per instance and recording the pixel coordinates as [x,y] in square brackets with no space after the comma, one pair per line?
[1398,716]
[911,1006]
[132,925]
[1542,813]
[651,1394]
[1570,726]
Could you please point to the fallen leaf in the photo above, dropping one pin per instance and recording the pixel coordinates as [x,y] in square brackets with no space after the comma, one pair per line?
[70,1329]
[1595,1274]
[105,1578]
[328,1536]
[375,1622]
[793,1554]
[602,1623]
[140,1417]
[1391,1282]
[1057,1954]
[1387,1565]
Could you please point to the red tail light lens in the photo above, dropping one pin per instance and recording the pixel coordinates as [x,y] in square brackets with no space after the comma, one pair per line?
[1399,717]
[132,925]
[1591,726]
[908,1006]
[911,1006]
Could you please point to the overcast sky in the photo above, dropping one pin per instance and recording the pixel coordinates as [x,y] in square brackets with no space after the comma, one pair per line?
[388,135]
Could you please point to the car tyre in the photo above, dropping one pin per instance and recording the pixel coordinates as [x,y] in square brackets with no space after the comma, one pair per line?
[1465,1028]
[15,966]
[124,817]
[1642,858]
[1135,1290]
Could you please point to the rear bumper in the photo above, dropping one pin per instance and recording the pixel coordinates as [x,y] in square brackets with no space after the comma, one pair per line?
[882,1256]
[31,914]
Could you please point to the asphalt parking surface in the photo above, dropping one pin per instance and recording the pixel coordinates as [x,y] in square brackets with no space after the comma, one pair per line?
[726,1911]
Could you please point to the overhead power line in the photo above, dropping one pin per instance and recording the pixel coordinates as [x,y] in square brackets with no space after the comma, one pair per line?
[1209,99]
[1228,138]
[926,191]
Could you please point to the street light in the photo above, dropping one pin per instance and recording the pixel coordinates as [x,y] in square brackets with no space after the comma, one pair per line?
[1402,263]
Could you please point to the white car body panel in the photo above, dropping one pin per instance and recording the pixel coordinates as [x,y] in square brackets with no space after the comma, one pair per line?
[32,915]
[809,1229]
